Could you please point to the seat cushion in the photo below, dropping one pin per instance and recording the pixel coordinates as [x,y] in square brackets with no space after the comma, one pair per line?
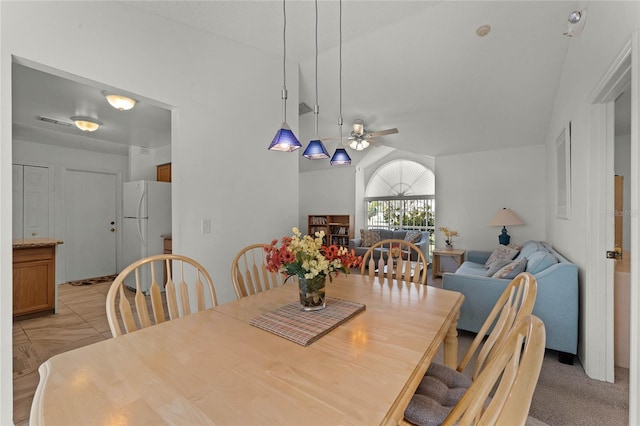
[439,391]
[539,261]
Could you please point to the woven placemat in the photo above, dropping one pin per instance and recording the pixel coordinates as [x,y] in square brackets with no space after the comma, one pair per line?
[302,327]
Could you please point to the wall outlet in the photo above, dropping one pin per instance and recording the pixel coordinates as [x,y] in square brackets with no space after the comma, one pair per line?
[206,226]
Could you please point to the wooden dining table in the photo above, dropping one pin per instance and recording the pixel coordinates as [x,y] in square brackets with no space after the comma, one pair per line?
[213,367]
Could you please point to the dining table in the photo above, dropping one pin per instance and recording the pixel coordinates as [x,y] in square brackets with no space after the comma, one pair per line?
[217,367]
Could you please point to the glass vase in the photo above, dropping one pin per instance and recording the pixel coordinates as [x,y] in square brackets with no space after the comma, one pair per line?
[312,292]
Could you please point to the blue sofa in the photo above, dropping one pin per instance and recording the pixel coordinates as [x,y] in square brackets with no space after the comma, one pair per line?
[387,234]
[556,302]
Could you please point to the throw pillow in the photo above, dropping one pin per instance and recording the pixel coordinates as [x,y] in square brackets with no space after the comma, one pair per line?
[539,261]
[496,266]
[502,252]
[512,269]
[413,236]
[369,237]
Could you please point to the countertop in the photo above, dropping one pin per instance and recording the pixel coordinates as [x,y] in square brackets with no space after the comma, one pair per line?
[35,242]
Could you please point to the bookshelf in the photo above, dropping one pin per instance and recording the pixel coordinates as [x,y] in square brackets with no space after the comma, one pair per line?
[338,228]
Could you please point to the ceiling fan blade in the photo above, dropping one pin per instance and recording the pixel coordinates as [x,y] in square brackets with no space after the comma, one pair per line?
[382,133]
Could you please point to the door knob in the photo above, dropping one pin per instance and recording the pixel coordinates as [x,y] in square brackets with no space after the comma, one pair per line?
[113,229]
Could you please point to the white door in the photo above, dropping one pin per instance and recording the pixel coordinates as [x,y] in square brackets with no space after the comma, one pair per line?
[90,224]
[18,200]
[36,202]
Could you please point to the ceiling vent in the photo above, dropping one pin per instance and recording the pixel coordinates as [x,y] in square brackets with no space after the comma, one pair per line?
[54,121]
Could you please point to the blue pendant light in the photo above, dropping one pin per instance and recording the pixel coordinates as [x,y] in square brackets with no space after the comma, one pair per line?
[316,150]
[340,157]
[284,140]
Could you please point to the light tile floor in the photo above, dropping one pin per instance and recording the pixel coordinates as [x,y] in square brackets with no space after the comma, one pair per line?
[81,320]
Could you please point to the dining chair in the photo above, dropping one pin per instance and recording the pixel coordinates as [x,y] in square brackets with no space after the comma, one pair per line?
[395,259]
[177,297]
[513,373]
[443,384]
[249,272]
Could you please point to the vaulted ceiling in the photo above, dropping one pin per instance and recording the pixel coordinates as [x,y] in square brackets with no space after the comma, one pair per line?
[418,66]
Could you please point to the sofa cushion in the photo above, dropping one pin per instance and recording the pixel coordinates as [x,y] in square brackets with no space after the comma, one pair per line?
[540,260]
[497,265]
[413,236]
[369,237]
[502,252]
[512,269]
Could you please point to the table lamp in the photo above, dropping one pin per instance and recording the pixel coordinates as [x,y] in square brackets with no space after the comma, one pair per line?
[505,217]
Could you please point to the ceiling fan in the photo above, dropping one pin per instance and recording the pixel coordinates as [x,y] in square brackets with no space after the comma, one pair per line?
[360,138]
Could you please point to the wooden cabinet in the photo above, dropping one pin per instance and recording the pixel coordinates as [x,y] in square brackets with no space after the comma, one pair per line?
[338,229]
[34,274]
[163,172]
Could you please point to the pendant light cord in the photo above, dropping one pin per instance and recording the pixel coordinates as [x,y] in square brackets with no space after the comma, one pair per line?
[316,108]
[340,118]
[284,62]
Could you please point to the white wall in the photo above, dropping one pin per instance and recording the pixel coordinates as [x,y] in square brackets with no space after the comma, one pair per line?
[326,192]
[59,158]
[588,59]
[471,188]
[222,169]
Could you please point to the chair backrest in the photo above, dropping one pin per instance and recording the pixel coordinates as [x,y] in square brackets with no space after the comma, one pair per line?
[249,272]
[514,369]
[411,264]
[515,302]
[122,298]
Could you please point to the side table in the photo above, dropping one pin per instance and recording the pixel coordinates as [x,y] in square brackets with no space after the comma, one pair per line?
[458,256]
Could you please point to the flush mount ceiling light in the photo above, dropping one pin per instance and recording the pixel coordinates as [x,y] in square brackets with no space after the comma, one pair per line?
[86,124]
[284,140]
[120,102]
[483,30]
[340,157]
[316,150]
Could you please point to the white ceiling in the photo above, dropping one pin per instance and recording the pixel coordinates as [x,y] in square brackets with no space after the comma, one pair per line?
[415,65]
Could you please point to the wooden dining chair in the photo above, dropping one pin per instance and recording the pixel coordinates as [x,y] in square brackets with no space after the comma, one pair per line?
[513,372]
[177,297]
[249,272]
[443,384]
[410,265]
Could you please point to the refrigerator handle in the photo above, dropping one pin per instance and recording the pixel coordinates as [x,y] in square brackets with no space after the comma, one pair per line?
[140,201]
[139,223]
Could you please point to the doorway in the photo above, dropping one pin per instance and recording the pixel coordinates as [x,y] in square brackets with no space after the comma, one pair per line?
[90,224]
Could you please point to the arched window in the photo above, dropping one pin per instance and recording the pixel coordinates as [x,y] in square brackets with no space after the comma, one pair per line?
[401,195]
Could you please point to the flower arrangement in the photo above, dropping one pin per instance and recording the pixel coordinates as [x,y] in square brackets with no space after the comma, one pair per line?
[311,261]
[306,256]
[395,251]
[449,234]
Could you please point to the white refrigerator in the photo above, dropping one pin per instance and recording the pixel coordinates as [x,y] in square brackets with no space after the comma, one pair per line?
[147,216]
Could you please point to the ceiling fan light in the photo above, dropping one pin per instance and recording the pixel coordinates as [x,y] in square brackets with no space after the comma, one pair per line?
[340,157]
[315,151]
[120,102]
[285,140]
[86,124]
[353,144]
[358,126]
[364,144]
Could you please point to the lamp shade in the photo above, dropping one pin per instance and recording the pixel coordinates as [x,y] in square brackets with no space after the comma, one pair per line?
[315,150]
[505,217]
[340,157]
[86,124]
[285,140]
